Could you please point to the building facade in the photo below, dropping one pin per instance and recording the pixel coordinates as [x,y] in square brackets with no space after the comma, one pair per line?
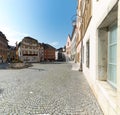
[73,45]
[49,52]
[60,56]
[68,48]
[28,50]
[3,47]
[98,23]
[11,54]
[41,52]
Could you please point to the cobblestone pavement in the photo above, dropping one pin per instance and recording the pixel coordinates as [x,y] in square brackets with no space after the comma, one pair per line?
[51,89]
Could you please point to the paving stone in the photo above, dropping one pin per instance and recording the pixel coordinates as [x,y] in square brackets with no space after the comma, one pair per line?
[58,90]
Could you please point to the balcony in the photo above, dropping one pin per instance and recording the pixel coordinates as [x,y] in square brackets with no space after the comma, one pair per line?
[30,54]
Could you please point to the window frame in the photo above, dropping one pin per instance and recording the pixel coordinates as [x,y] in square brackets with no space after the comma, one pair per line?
[111,27]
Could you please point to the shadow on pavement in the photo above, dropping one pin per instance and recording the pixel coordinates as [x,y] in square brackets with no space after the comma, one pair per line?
[37,69]
[51,62]
[4,65]
[1,91]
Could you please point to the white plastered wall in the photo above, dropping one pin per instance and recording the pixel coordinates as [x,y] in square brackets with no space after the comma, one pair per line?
[100,10]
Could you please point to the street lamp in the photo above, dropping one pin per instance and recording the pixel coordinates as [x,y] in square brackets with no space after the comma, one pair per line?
[75,19]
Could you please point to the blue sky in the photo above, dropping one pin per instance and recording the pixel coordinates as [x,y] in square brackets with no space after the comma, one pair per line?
[48,21]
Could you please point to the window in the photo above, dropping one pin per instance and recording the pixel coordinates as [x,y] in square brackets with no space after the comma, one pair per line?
[68,43]
[83,6]
[26,52]
[30,52]
[87,53]
[112,56]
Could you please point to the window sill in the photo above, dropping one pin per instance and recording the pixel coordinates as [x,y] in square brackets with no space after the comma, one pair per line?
[109,92]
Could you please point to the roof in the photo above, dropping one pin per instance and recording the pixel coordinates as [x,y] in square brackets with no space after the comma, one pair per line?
[69,36]
[11,47]
[19,44]
[73,32]
[47,46]
[3,35]
[28,37]
[60,49]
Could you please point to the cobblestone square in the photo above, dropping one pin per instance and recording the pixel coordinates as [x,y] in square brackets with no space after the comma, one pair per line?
[46,89]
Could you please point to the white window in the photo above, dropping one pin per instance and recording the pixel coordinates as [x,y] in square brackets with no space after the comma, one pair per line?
[112,55]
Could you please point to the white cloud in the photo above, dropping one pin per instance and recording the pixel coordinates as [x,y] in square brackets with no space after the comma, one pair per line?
[12,35]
